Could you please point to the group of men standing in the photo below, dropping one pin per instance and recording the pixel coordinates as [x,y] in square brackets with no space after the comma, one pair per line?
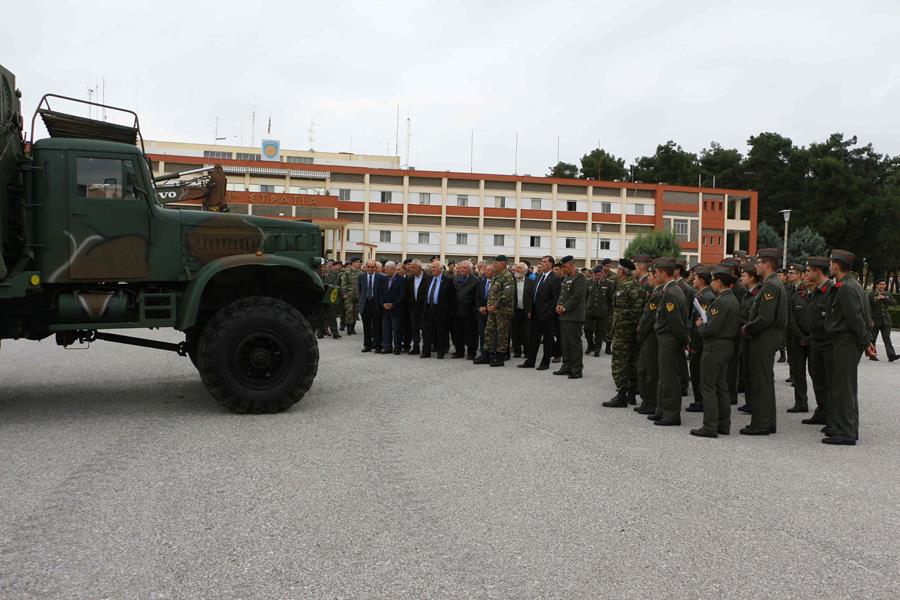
[714,329]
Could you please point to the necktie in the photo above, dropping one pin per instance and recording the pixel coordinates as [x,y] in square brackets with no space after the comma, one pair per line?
[433,292]
[371,286]
[538,286]
[390,281]
[487,288]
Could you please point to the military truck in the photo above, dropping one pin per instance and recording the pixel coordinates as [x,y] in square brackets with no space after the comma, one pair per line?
[87,247]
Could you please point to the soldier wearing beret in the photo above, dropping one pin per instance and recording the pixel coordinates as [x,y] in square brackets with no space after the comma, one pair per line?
[848,325]
[718,332]
[648,350]
[629,302]
[705,295]
[570,308]
[765,330]
[672,338]
[596,311]
[820,346]
[879,301]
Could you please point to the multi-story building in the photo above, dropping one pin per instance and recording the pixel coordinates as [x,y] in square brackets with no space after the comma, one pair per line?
[368,206]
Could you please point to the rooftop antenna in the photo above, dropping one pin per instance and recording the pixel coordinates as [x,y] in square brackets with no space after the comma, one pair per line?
[103,95]
[253,128]
[217,138]
[516,164]
[312,135]
[90,92]
[397,134]
[408,136]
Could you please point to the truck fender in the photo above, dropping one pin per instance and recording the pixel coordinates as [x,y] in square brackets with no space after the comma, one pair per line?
[193,294]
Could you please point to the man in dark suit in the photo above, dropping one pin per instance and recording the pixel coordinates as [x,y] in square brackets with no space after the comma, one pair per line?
[543,310]
[369,310]
[439,300]
[417,281]
[390,293]
[465,311]
[484,286]
[523,297]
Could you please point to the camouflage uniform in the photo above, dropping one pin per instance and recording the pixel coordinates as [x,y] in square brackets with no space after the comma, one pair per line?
[350,294]
[629,302]
[496,331]
[596,311]
[329,321]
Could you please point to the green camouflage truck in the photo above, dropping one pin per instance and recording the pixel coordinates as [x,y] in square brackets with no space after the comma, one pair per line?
[87,247]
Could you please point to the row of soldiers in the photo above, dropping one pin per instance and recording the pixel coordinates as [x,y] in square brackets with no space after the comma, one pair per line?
[728,323]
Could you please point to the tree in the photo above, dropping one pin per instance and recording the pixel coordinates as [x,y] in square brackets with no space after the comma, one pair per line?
[803,242]
[767,237]
[600,164]
[564,170]
[655,243]
[670,164]
[724,166]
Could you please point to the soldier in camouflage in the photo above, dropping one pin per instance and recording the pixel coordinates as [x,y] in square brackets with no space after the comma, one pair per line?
[329,322]
[629,302]
[596,312]
[647,365]
[500,311]
[350,294]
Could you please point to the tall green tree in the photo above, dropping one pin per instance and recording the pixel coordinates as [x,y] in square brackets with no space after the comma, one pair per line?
[600,164]
[722,166]
[670,164]
[563,169]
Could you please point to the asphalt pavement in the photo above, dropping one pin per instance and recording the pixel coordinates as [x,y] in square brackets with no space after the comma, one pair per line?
[400,477]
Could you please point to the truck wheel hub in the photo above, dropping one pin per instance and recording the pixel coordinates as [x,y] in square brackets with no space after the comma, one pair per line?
[260,358]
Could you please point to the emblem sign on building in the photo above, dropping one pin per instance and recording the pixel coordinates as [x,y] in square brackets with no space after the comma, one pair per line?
[271,150]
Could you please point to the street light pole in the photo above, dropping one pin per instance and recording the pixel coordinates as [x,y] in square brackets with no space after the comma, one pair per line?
[786,213]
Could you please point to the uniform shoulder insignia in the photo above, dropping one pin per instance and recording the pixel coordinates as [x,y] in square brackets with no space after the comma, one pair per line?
[714,311]
[768,296]
[704,306]
[670,306]
[653,306]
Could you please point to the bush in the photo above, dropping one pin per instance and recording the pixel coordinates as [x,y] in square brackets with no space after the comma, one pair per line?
[655,243]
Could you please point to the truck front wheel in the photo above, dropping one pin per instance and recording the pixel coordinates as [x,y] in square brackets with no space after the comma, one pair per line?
[258,355]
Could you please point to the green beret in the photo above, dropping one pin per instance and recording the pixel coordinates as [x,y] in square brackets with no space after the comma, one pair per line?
[501,258]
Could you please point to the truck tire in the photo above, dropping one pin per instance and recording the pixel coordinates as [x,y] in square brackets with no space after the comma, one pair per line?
[258,355]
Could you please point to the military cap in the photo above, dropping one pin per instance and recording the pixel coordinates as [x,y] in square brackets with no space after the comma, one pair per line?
[605,261]
[597,269]
[681,263]
[739,254]
[703,269]
[848,258]
[780,270]
[770,253]
[819,262]
[731,261]
[664,261]
[566,259]
[749,268]
[501,258]
[642,258]
[722,273]
[795,267]
[434,258]
[354,259]
[880,280]
[624,262]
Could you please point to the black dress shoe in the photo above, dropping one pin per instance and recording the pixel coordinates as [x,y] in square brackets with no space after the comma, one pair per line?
[645,410]
[542,367]
[653,417]
[617,402]
[588,350]
[705,432]
[575,375]
[745,408]
[337,336]
[562,372]
[893,358]
[814,420]
[668,422]
[694,407]
[798,408]
[498,363]
[526,365]
[839,441]
[755,431]
[724,431]
[828,432]
[366,349]
[484,359]
[556,359]
[875,358]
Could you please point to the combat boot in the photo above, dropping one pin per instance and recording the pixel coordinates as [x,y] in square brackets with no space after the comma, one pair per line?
[694,407]
[631,397]
[609,347]
[620,400]
[498,361]
[484,359]
[351,330]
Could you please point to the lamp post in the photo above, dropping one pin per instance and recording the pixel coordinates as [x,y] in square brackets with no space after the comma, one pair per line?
[786,213]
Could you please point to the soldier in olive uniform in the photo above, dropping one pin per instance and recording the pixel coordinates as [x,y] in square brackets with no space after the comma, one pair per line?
[629,302]
[671,335]
[820,346]
[350,293]
[848,324]
[765,331]
[718,333]
[596,312]
[750,283]
[500,309]
[739,292]
[648,355]
[688,290]
[879,301]
[570,308]
[798,339]
[705,295]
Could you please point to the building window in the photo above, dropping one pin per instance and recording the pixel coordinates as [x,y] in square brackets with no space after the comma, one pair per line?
[462,239]
[500,202]
[424,198]
[604,244]
[247,156]
[570,243]
[571,206]
[303,160]
[462,200]
[499,240]
[343,194]
[424,237]
[267,188]
[536,204]
[386,197]
[384,237]
[680,227]
[535,241]
[606,207]
[216,154]
[638,209]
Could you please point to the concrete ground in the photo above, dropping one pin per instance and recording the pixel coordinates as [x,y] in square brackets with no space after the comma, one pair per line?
[398,477]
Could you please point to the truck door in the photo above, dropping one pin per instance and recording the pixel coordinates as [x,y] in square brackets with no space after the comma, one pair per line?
[108,220]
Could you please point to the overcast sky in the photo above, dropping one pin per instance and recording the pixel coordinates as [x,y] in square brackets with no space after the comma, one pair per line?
[626,75]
